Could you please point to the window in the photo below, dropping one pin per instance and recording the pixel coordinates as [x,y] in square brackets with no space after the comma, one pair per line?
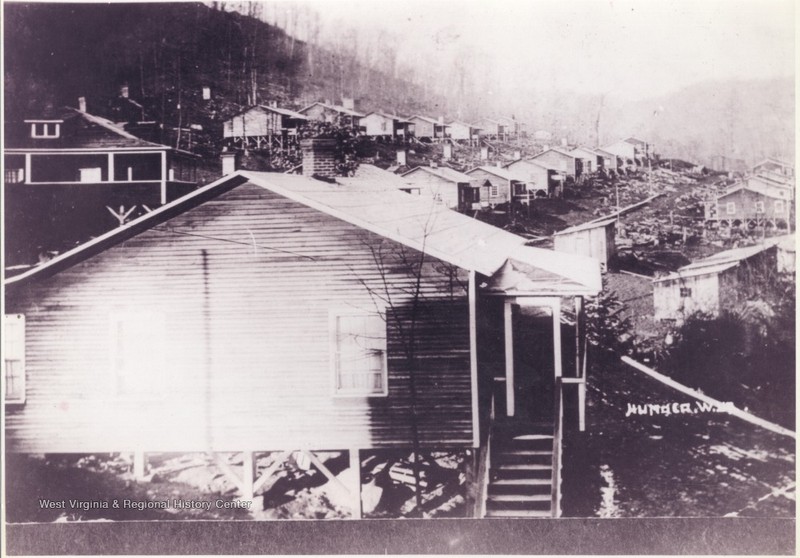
[494,190]
[780,207]
[138,352]
[94,174]
[14,176]
[759,207]
[358,346]
[686,292]
[14,357]
[730,207]
[45,129]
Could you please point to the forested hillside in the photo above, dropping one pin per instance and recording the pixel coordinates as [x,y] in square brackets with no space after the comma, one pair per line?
[166,54]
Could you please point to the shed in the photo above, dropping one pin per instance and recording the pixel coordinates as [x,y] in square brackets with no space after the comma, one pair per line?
[596,239]
[713,284]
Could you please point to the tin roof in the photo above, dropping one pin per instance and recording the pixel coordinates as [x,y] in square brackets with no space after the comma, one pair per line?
[446,173]
[415,221]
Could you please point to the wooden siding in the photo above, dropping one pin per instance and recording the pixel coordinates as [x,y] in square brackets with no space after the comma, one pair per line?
[245,283]
[254,122]
[502,186]
[745,206]
[378,125]
[423,128]
[595,243]
[562,162]
[670,305]
[434,187]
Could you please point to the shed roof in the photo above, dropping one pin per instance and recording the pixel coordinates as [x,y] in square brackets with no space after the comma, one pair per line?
[587,226]
[427,119]
[415,221]
[721,261]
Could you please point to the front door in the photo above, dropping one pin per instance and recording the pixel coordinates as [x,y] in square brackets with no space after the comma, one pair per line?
[467,195]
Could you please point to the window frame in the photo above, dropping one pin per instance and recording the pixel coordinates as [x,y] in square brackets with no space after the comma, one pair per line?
[685,292]
[22,398]
[50,130]
[759,207]
[333,350]
[730,208]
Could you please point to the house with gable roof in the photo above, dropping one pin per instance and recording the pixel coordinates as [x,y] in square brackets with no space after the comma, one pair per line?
[271,313]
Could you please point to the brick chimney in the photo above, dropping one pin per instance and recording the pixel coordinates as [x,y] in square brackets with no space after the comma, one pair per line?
[82,104]
[319,157]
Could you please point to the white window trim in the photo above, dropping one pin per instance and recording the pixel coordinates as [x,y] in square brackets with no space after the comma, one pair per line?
[21,400]
[760,207]
[47,127]
[333,315]
[730,208]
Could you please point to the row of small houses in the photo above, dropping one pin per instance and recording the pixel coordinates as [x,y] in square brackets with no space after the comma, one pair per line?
[271,126]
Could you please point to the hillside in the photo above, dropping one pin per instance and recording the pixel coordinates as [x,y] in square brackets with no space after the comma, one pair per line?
[166,53]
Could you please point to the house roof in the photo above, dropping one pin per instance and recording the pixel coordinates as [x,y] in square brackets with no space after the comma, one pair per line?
[370,176]
[427,119]
[446,173]
[80,130]
[555,150]
[775,161]
[389,116]
[526,162]
[722,260]
[697,272]
[587,226]
[760,187]
[462,123]
[415,221]
[277,110]
[503,173]
[337,108]
[634,141]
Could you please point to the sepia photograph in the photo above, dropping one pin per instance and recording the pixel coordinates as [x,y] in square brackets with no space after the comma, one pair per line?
[427,277]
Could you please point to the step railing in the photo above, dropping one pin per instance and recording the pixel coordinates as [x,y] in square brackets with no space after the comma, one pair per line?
[484,467]
[555,491]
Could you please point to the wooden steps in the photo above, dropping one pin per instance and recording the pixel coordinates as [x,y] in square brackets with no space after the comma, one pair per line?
[521,472]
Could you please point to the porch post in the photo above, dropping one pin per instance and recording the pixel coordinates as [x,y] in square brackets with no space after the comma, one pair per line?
[473,358]
[248,474]
[509,342]
[355,467]
[110,176]
[163,177]
[580,333]
[557,337]
[139,465]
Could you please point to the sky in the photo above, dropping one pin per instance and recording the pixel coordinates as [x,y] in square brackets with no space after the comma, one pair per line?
[630,49]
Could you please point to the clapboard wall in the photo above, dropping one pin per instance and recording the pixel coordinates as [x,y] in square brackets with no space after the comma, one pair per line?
[245,283]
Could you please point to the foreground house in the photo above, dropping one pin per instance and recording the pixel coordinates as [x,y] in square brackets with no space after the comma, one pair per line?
[70,175]
[596,239]
[454,189]
[264,127]
[711,285]
[268,312]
